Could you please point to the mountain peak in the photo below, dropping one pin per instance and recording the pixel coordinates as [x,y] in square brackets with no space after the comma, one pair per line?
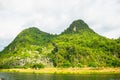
[77,26]
[78,46]
[31,29]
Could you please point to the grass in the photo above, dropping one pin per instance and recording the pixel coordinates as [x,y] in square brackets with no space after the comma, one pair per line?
[66,70]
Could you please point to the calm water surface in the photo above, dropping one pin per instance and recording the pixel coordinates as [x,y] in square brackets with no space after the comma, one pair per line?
[24,76]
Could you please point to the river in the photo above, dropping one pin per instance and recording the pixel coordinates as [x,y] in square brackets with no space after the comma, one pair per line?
[28,76]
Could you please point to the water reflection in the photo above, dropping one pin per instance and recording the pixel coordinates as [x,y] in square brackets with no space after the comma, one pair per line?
[23,76]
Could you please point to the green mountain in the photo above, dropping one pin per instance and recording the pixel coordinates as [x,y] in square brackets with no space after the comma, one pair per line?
[27,49]
[84,48]
[27,38]
[78,26]
[77,46]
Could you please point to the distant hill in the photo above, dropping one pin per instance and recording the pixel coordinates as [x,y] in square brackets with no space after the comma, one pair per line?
[77,46]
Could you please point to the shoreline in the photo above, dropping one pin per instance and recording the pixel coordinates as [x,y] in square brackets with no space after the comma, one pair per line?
[65,70]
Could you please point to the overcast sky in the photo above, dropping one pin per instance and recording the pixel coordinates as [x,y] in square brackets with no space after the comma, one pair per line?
[53,16]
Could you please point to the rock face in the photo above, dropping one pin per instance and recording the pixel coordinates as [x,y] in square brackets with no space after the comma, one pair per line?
[77,46]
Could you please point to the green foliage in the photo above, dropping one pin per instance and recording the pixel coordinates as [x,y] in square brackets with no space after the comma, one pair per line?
[77,46]
[40,65]
[4,67]
[92,64]
[79,65]
[66,64]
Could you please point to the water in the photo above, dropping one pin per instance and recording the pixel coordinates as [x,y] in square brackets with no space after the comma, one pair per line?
[26,76]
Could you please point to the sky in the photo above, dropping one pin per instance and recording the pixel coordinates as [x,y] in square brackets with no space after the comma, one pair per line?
[54,16]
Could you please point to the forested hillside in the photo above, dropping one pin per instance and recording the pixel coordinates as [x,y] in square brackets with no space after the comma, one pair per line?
[77,46]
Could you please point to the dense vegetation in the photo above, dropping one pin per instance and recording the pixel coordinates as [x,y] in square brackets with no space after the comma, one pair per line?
[77,46]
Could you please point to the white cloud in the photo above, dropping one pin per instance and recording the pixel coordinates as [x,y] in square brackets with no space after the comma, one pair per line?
[54,16]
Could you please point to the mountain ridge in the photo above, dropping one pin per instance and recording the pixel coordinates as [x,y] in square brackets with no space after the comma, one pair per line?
[77,26]
[77,46]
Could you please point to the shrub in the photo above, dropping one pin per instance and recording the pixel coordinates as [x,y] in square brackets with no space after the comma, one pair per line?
[40,65]
[92,64]
[79,65]
[66,64]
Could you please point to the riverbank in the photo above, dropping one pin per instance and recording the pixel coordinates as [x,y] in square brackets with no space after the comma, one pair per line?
[66,70]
